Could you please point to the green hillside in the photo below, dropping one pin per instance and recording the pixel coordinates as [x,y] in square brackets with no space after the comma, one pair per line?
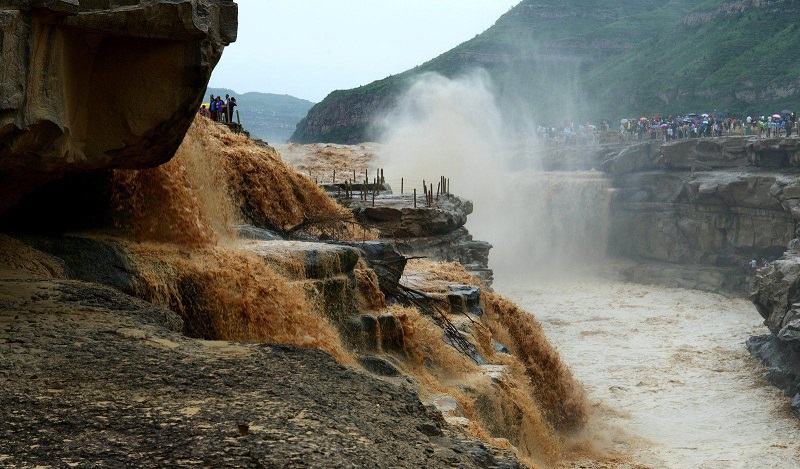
[270,117]
[594,58]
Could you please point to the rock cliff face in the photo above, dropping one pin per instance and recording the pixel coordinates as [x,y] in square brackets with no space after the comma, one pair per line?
[101,84]
[702,206]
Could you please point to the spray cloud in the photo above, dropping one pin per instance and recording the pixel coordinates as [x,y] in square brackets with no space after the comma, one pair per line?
[539,222]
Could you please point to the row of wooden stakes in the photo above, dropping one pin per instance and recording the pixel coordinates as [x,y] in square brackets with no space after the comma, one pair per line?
[371,190]
[441,189]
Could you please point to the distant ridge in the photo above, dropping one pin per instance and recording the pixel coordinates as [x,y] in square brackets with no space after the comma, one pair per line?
[270,117]
[588,59]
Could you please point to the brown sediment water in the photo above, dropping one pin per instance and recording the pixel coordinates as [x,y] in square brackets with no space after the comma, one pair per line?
[502,411]
[670,367]
[178,217]
[322,159]
[218,178]
[536,404]
[224,293]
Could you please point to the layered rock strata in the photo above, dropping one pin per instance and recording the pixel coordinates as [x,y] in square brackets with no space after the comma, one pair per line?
[436,232]
[696,212]
[98,84]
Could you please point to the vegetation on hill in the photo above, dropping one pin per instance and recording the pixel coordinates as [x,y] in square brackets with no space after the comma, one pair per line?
[270,117]
[596,58]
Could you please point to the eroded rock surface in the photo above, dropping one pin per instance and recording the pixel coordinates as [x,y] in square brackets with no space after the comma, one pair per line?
[101,84]
[92,377]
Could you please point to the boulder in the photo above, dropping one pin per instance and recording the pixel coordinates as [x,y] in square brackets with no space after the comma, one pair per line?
[101,84]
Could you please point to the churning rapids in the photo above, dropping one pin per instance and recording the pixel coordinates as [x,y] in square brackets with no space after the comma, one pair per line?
[669,366]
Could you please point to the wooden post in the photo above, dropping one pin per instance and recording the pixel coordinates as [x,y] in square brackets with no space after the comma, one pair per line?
[401,186]
[438,189]
[354,176]
[334,176]
[373,199]
[430,194]
[415,197]
[448,186]
[237,117]
[383,181]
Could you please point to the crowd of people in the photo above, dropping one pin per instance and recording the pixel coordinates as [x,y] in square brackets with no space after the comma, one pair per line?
[219,110]
[704,126]
[783,124]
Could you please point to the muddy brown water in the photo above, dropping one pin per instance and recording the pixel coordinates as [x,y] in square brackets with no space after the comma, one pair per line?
[668,372]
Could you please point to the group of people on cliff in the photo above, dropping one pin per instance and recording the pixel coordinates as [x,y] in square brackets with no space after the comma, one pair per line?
[670,128]
[704,126]
[219,110]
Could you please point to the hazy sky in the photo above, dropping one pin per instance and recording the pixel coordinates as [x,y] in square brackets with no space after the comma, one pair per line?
[308,48]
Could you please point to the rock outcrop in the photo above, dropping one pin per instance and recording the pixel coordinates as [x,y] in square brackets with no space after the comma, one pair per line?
[436,232]
[101,84]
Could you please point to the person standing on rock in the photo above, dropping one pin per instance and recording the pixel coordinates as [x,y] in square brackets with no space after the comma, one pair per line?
[231,107]
[222,109]
[227,107]
[212,108]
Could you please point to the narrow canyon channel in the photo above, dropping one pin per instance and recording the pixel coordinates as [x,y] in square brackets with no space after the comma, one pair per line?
[666,371]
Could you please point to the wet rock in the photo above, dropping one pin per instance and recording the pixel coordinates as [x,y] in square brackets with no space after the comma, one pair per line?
[776,291]
[384,259]
[69,67]
[318,260]
[392,338]
[465,299]
[457,246]
[379,366]
[782,358]
[92,260]
[498,347]
[795,407]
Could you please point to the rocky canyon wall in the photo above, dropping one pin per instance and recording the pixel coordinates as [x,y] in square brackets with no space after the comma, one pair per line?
[101,84]
[695,212]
